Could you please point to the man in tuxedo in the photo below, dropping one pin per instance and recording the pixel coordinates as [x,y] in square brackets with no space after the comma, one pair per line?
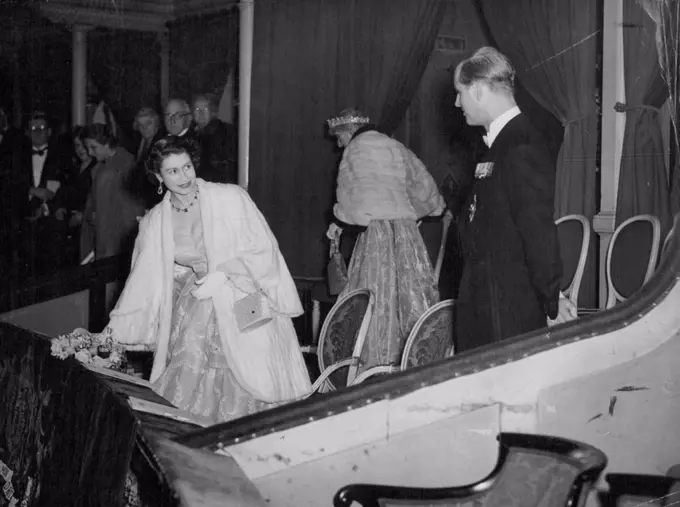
[35,181]
[218,142]
[511,276]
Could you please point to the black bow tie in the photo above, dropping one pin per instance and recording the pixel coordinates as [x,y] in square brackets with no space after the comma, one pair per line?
[40,153]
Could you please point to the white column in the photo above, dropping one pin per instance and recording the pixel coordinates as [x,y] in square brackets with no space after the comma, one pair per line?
[247,22]
[226,110]
[164,39]
[613,125]
[79,75]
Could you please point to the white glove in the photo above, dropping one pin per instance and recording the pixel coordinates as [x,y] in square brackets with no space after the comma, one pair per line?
[567,311]
[208,286]
[334,231]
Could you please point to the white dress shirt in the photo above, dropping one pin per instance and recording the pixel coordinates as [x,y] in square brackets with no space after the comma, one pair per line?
[38,164]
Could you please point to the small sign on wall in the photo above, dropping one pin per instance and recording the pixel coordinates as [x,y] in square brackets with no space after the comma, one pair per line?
[447,43]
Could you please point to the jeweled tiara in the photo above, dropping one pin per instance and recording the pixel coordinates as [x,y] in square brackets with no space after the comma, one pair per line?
[345,120]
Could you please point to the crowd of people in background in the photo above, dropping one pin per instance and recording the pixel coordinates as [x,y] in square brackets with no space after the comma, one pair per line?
[72,197]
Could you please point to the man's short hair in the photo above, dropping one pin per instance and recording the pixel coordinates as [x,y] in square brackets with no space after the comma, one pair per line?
[489,66]
[183,105]
[38,116]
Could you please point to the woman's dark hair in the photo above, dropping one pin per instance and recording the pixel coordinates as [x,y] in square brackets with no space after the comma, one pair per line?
[172,145]
[101,133]
[78,133]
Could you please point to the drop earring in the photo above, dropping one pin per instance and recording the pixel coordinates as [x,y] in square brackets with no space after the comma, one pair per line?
[160,189]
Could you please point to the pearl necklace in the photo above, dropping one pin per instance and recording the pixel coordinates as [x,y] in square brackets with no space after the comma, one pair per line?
[186,210]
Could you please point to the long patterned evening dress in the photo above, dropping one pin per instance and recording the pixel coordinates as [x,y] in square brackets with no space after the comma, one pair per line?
[198,378]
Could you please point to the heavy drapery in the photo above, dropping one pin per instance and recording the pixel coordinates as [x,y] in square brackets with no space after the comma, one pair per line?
[312,58]
[553,45]
[666,15]
[204,50]
[125,66]
[643,183]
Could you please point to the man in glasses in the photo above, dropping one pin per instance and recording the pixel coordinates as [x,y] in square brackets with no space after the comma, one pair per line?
[178,118]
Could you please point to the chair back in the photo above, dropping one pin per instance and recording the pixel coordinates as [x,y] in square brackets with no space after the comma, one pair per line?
[343,334]
[632,256]
[666,242]
[432,336]
[573,232]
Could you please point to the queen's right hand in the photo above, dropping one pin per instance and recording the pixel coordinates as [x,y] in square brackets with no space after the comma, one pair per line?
[334,231]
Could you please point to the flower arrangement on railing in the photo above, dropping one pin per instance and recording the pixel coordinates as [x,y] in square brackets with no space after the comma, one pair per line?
[96,349]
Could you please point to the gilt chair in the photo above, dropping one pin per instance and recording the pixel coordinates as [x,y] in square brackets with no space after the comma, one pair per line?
[632,257]
[574,233]
[532,471]
[341,340]
[431,339]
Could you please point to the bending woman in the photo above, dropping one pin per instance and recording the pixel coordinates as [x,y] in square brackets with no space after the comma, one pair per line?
[383,187]
[201,249]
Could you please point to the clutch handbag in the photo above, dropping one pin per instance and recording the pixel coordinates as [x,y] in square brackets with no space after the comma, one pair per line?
[252,311]
[336,270]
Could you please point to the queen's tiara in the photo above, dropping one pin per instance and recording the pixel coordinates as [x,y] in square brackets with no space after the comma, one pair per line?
[346,119]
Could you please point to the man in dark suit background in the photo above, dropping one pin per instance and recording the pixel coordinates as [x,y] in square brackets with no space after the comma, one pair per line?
[218,142]
[512,268]
[35,180]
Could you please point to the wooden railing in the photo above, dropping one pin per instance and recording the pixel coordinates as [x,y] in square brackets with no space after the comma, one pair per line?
[95,277]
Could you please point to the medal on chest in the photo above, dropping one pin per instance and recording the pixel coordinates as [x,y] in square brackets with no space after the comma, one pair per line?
[473,208]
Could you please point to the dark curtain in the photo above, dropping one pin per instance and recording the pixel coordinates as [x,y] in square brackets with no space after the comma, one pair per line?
[124,66]
[43,59]
[554,45]
[203,49]
[643,183]
[313,58]
[666,16]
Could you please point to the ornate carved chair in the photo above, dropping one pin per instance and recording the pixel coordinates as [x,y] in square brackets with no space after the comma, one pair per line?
[632,257]
[342,338]
[532,470]
[574,236]
[430,339]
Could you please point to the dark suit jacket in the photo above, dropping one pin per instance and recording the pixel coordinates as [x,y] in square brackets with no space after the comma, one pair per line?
[218,152]
[512,267]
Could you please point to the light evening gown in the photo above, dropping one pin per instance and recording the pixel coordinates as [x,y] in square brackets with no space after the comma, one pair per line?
[197,378]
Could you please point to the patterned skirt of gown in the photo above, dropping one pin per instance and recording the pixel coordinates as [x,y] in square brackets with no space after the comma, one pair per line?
[390,259]
[197,378]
